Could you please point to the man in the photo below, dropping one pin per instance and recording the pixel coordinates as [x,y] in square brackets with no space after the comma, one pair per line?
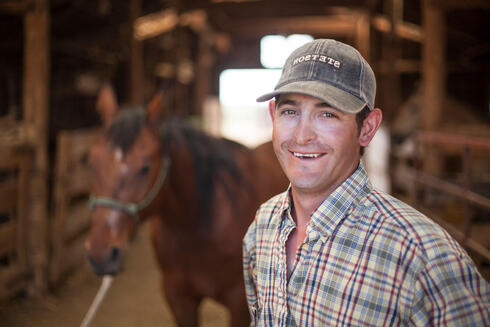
[331,250]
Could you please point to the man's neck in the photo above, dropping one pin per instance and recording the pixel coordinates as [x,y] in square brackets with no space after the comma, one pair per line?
[304,205]
[305,202]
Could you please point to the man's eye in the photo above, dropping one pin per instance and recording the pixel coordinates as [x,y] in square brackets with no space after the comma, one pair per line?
[288,112]
[329,115]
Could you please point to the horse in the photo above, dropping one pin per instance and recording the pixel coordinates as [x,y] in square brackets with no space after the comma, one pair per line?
[199,192]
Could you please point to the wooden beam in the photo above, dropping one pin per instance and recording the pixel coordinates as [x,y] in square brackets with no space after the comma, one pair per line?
[401,66]
[237,1]
[17,6]
[462,4]
[155,24]
[280,6]
[333,26]
[35,101]
[404,30]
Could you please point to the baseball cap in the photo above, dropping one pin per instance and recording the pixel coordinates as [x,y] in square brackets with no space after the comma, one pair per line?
[331,71]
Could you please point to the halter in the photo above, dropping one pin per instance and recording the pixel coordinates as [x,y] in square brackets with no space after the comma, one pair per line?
[130,207]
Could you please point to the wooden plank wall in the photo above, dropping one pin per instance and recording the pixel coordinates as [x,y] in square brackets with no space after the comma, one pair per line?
[71,190]
[14,185]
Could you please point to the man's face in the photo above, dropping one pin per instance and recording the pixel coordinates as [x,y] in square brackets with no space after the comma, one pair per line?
[317,145]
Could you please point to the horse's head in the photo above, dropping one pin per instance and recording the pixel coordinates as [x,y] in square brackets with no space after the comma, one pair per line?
[128,171]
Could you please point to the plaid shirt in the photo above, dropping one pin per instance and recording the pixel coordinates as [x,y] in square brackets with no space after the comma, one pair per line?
[368,259]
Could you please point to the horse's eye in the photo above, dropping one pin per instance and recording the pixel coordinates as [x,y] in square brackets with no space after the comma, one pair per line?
[144,170]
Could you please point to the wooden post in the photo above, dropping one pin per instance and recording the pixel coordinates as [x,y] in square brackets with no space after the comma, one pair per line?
[434,59]
[434,76]
[36,113]
[136,68]
[363,34]
[202,71]
[391,52]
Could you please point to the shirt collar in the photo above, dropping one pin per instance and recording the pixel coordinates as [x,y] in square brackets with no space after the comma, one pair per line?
[332,210]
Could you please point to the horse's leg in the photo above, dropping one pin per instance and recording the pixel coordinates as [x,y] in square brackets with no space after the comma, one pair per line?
[182,302]
[235,301]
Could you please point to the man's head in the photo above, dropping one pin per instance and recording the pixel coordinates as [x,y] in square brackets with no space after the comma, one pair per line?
[319,125]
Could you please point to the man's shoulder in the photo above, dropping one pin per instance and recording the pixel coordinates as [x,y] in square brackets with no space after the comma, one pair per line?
[410,224]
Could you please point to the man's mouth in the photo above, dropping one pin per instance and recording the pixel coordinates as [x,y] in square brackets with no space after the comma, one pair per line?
[307,155]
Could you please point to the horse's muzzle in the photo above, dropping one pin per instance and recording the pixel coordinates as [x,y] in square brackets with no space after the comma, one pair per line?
[112,264]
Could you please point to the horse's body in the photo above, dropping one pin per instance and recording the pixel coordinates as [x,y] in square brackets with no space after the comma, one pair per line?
[209,196]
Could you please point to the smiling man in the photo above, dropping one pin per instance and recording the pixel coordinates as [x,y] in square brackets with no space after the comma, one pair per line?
[331,250]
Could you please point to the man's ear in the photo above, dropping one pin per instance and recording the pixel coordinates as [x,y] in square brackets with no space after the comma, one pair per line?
[370,126]
[272,108]
[106,104]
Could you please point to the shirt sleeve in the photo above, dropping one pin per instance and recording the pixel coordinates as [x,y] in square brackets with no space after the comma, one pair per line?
[451,292]
[249,272]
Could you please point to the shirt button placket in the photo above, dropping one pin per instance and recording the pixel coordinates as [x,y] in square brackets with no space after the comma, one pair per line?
[282,292]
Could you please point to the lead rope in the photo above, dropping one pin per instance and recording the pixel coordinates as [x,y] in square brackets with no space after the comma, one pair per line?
[104,287]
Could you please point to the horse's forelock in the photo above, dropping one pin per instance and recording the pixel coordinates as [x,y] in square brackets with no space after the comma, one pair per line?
[126,127]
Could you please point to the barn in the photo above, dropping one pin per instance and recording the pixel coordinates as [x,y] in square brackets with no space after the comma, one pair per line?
[432,63]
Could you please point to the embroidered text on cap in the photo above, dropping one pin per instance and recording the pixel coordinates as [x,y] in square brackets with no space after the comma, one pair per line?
[316,57]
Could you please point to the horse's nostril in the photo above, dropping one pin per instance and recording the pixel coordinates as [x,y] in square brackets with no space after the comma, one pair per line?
[115,253]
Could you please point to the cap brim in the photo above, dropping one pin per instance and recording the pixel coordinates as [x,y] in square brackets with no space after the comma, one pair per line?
[335,97]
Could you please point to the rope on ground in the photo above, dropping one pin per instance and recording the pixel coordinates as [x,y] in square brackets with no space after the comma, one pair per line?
[104,287]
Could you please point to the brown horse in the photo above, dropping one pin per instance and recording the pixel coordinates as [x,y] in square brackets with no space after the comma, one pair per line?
[201,192]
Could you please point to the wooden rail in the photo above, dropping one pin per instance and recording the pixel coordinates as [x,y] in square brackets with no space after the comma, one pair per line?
[466,144]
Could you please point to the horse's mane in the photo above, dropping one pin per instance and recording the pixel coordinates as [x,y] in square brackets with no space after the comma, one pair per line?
[213,158]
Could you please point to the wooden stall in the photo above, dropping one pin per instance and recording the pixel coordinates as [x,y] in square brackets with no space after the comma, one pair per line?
[71,219]
[29,204]
[15,268]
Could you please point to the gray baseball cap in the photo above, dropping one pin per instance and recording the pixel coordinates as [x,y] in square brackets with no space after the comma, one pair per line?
[331,71]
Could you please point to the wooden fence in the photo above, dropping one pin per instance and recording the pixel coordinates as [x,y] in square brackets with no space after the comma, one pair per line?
[15,167]
[71,213]
[459,194]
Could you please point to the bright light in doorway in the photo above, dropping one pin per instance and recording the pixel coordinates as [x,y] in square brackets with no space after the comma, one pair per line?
[274,49]
[240,87]
[243,119]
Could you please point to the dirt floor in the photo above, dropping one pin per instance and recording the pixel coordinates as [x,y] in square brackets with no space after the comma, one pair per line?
[134,298]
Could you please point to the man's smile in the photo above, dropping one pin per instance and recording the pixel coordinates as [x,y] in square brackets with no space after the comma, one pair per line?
[307,155]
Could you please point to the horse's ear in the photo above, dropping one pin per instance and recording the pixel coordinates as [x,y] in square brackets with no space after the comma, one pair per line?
[107,104]
[156,112]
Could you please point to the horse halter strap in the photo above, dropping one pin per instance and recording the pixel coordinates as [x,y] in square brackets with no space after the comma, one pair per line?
[129,207]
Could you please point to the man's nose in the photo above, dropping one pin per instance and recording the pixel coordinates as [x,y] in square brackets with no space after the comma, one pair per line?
[304,132]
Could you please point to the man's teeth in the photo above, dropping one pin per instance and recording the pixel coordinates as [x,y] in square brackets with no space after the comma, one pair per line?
[306,155]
